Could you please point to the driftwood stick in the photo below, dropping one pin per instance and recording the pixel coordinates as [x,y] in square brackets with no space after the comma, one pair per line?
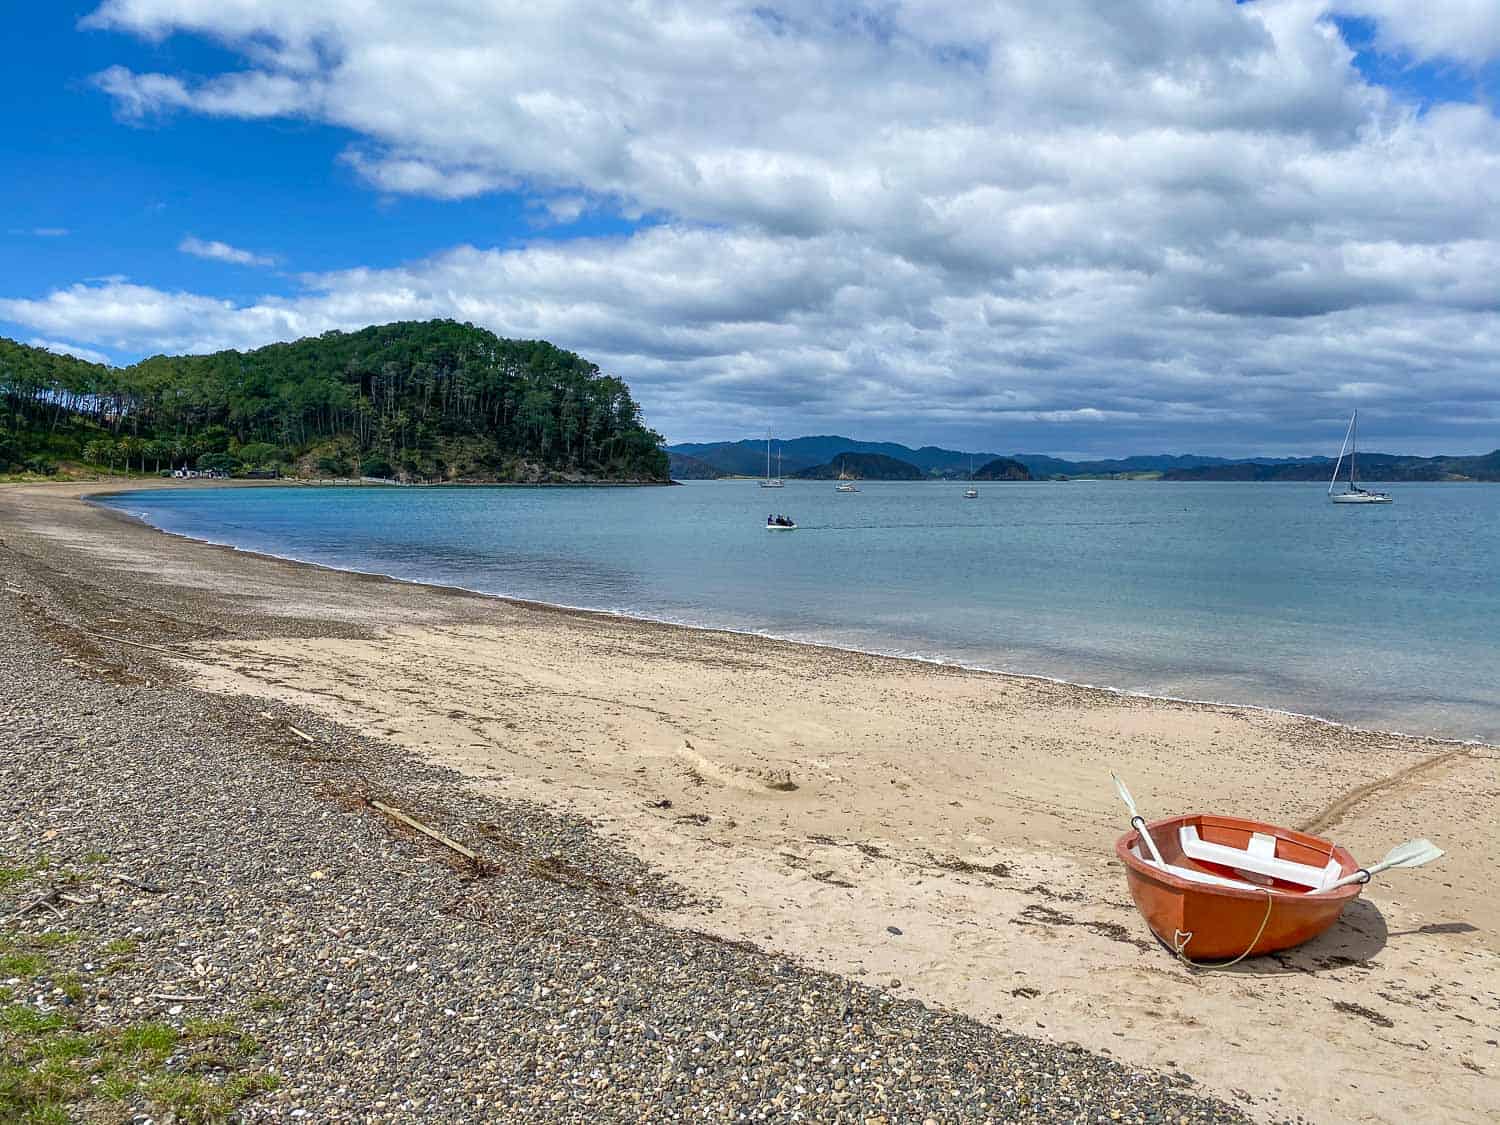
[149,888]
[173,998]
[136,644]
[430,833]
[36,903]
[302,734]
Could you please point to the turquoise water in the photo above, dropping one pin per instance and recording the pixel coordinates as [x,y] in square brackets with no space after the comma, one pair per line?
[1262,594]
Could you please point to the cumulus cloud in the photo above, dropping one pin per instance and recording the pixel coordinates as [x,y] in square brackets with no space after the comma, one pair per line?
[1089,221]
[741,327]
[223,252]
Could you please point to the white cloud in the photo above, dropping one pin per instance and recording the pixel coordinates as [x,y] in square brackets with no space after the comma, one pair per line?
[735,327]
[1465,30]
[223,252]
[62,348]
[247,95]
[1098,218]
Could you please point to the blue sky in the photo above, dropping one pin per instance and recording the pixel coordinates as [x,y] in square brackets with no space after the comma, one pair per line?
[128,193]
[923,226]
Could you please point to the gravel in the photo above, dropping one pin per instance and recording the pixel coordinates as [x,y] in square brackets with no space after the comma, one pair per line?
[387,978]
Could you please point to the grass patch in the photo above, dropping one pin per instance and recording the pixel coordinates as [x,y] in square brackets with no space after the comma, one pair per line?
[52,939]
[51,1069]
[269,1002]
[10,876]
[121,947]
[148,1042]
[21,965]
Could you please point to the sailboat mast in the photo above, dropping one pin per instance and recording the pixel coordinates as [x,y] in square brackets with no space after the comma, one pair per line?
[768,455]
[1339,464]
[1353,450]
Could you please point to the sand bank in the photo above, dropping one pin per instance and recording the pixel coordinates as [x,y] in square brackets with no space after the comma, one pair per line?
[904,822]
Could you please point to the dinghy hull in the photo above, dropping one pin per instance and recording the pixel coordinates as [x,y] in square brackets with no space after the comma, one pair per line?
[1213,922]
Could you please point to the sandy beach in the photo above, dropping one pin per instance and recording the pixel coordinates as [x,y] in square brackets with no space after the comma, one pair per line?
[943,834]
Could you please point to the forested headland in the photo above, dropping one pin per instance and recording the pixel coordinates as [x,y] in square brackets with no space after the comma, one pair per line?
[417,400]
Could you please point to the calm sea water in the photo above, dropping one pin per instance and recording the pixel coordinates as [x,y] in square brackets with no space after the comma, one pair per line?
[1263,594]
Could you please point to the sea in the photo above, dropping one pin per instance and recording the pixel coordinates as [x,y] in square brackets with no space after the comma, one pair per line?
[1382,616]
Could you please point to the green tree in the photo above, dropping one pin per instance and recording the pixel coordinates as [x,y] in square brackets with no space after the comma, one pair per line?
[100,451]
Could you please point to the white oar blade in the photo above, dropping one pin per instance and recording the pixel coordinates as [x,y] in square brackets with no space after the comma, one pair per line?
[1413,853]
[1124,794]
[1134,816]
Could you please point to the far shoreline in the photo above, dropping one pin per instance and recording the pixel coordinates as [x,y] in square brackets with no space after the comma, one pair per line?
[92,499]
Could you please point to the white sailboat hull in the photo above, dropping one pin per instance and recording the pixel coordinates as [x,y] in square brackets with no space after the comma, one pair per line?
[771,484]
[1359,498]
[846,488]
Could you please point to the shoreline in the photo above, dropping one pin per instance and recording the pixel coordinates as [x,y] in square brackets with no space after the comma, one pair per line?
[930,661]
[933,833]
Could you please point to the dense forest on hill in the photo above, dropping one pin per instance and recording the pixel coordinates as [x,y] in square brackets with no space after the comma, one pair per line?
[863,466]
[429,400]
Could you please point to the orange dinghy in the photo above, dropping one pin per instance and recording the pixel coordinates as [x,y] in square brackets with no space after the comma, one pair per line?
[1227,888]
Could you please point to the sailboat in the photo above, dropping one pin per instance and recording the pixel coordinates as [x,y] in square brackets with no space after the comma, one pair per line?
[971,493]
[846,482]
[770,481]
[1353,494]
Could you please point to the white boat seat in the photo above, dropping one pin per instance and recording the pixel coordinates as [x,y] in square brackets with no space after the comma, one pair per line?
[1204,877]
[1258,859]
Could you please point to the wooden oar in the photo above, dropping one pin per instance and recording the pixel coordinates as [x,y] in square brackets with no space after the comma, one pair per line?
[1413,853]
[1134,817]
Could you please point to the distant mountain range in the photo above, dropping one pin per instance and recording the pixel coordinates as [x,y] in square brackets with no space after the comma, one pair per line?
[1372,466]
[698,460]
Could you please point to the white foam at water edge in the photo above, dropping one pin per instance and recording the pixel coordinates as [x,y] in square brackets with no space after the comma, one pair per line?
[792,638]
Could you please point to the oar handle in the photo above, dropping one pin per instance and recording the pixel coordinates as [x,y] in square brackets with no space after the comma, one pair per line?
[1138,822]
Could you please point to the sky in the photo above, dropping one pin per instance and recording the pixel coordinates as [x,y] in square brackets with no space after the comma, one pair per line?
[1061,226]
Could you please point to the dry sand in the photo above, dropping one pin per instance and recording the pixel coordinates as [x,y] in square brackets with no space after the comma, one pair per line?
[819,801]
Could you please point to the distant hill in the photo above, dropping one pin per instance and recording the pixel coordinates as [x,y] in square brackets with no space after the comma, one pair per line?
[1042,465]
[682,467]
[748,457]
[1003,468]
[1372,466]
[863,466]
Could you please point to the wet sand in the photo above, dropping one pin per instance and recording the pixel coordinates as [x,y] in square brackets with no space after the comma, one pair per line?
[818,801]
